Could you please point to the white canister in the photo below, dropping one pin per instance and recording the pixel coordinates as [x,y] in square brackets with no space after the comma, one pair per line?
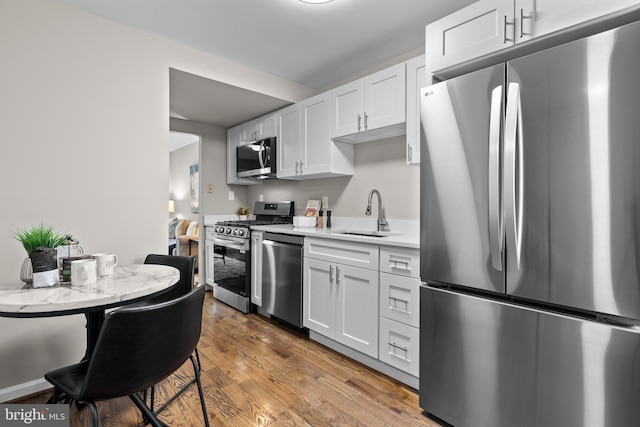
[105,262]
[84,272]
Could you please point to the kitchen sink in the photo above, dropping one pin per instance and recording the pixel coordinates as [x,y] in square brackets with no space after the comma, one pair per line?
[365,233]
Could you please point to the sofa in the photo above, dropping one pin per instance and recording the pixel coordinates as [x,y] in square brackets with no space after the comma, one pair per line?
[183,237]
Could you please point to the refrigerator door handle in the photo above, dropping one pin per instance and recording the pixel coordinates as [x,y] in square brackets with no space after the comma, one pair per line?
[513,177]
[496,224]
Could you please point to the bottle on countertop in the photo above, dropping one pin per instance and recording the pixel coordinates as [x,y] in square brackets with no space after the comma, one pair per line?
[320,222]
[328,219]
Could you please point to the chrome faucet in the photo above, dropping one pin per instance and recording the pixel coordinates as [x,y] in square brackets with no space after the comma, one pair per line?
[383,225]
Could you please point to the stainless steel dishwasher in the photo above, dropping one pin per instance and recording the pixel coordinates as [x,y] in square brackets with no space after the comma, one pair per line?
[282,277]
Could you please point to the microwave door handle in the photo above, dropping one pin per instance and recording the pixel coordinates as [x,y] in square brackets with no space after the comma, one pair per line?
[513,177]
[496,224]
[261,155]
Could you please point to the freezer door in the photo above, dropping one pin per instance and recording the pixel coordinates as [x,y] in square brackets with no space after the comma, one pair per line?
[581,189]
[489,364]
[460,237]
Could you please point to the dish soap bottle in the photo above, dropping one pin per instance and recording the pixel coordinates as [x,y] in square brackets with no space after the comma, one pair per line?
[320,224]
[328,219]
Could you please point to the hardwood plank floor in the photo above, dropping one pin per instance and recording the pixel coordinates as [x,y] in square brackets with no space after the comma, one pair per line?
[257,372]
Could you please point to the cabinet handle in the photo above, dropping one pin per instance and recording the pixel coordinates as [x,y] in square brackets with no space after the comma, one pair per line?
[337,275]
[365,121]
[507,23]
[396,347]
[359,119]
[410,153]
[297,167]
[301,167]
[395,300]
[331,274]
[521,23]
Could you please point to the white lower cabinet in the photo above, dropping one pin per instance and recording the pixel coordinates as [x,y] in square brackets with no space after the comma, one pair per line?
[400,308]
[340,300]
[400,345]
[341,303]
[366,298]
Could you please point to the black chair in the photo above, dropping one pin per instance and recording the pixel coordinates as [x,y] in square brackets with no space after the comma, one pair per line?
[186,266]
[138,347]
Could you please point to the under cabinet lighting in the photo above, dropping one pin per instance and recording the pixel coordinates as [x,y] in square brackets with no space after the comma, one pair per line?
[316,1]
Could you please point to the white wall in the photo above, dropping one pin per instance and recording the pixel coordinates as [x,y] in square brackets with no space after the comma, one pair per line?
[84,122]
[378,164]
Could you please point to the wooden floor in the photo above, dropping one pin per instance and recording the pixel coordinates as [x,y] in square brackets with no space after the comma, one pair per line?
[258,373]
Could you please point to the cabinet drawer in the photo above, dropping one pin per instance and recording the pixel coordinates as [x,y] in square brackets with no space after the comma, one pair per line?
[400,346]
[400,298]
[355,254]
[402,261]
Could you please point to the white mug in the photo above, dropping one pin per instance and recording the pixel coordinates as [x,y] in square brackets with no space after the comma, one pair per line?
[105,263]
[83,272]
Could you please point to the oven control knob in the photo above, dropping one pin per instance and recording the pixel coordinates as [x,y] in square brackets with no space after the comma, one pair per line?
[235,231]
[229,230]
[240,233]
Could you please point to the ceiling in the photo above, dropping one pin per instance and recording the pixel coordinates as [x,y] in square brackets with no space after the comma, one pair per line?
[311,44]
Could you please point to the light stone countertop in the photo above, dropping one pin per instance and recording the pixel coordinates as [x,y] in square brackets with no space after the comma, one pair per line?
[403,234]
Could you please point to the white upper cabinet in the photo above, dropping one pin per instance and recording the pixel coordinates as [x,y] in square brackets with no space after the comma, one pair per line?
[375,102]
[288,141]
[489,26]
[305,149]
[416,79]
[262,127]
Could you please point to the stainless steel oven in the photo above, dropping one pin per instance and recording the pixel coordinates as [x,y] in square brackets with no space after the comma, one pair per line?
[232,253]
[231,270]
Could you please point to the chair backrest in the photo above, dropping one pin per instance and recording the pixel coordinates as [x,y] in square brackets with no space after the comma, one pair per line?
[139,346]
[185,264]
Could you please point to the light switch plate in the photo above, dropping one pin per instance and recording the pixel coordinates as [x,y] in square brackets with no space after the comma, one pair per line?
[232,195]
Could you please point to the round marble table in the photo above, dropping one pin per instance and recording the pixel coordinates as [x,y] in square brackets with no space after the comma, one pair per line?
[126,285]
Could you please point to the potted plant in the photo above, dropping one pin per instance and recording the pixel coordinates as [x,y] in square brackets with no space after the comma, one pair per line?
[243,213]
[34,237]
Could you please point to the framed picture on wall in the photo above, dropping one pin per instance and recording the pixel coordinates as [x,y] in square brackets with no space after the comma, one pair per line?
[194,172]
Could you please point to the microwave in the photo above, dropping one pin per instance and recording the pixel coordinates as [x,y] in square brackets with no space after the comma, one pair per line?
[257,159]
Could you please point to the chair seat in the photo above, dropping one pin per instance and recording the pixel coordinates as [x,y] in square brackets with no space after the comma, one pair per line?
[70,378]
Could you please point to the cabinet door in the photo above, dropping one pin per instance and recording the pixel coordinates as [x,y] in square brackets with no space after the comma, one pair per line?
[385,97]
[249,131]
[540,17]
[208,268]
[315,136]
[266,126]
[400,298]
[287,142]
[319,297]
[416,79]
[481,28]
[256,267]
[357,309]
[347,105]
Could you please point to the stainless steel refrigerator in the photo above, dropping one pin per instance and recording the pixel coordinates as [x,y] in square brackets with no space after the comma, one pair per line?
[530,239]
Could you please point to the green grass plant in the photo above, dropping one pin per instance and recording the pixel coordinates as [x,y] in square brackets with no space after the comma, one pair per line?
[40,235]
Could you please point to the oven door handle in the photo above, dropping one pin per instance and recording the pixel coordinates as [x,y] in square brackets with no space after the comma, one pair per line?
[230,244]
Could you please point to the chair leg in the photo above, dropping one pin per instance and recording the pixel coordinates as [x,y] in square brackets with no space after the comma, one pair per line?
[200,392]
[94,413]
[55,397]
[146,412]
[198,360]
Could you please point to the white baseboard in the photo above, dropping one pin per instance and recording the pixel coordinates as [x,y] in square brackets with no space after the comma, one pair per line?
[24,389]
